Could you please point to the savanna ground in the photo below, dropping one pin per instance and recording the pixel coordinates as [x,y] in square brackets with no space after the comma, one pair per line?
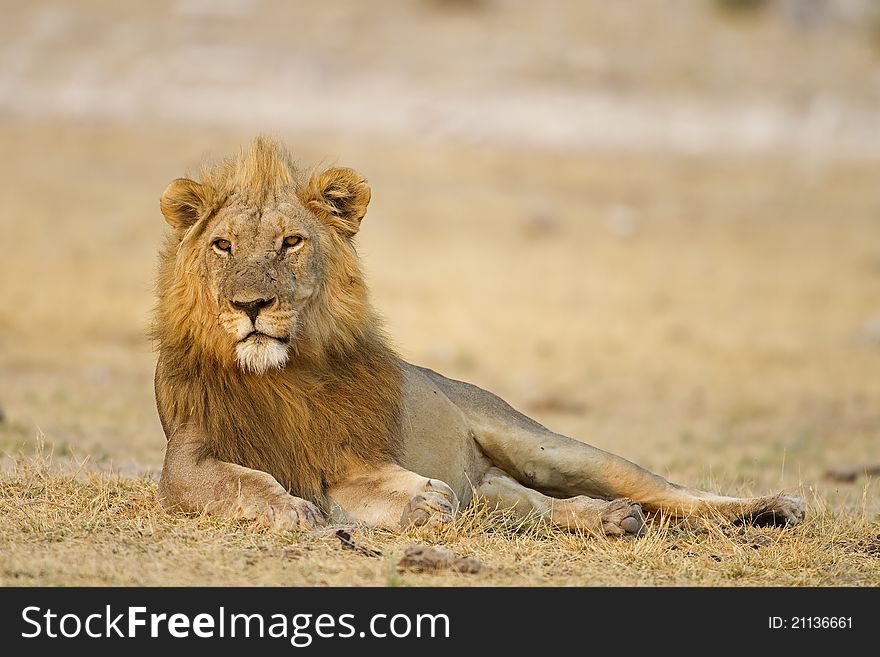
[711,315]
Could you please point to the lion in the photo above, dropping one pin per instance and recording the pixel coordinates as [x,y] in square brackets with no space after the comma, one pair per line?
[282,401]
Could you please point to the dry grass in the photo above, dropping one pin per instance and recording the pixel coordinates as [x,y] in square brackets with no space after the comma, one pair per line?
[85,528]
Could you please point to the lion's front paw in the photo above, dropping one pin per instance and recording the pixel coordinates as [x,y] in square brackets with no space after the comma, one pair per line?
[435,504]
[294,515]
[784,509]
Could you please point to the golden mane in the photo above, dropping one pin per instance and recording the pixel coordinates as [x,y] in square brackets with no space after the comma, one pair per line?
[337,402]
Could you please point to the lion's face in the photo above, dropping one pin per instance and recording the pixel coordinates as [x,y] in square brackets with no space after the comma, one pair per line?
[262,267]
[264,261]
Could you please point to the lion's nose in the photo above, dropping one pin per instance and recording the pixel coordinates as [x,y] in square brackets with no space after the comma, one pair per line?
[252,307]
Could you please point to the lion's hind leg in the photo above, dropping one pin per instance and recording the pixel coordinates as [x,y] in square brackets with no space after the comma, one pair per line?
[778,510]
[620,517]
[566,468]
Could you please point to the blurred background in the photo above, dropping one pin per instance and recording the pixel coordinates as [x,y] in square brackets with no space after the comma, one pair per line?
[653,226]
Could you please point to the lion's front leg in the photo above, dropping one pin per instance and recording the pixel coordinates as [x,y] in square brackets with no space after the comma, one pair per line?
[193,483]
[392,497]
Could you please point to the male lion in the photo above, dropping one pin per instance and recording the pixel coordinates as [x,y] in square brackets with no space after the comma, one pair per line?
[282,401]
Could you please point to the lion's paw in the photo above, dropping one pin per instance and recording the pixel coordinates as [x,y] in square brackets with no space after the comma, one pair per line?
[622,517]
[294,515]
[435,504]
[784,509]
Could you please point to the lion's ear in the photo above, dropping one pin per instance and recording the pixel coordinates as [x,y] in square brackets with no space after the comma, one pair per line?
[340,197]
[182,203]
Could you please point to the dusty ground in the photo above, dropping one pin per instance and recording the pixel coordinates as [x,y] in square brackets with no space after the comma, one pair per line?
[710,313]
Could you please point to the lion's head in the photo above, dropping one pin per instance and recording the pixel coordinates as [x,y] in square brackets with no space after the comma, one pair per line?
[261,265]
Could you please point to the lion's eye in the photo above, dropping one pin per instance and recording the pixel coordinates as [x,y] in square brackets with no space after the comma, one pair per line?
[293,242]
[222,246]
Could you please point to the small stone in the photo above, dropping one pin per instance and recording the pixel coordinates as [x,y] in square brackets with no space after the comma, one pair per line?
[848,474]
[429,559]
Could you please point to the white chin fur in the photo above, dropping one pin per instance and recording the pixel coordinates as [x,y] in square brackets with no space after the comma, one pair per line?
[259,354]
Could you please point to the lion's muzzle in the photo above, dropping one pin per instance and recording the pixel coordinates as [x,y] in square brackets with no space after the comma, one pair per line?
[253,307]
[263,330]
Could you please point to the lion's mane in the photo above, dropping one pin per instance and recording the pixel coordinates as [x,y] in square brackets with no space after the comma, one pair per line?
[336,404]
